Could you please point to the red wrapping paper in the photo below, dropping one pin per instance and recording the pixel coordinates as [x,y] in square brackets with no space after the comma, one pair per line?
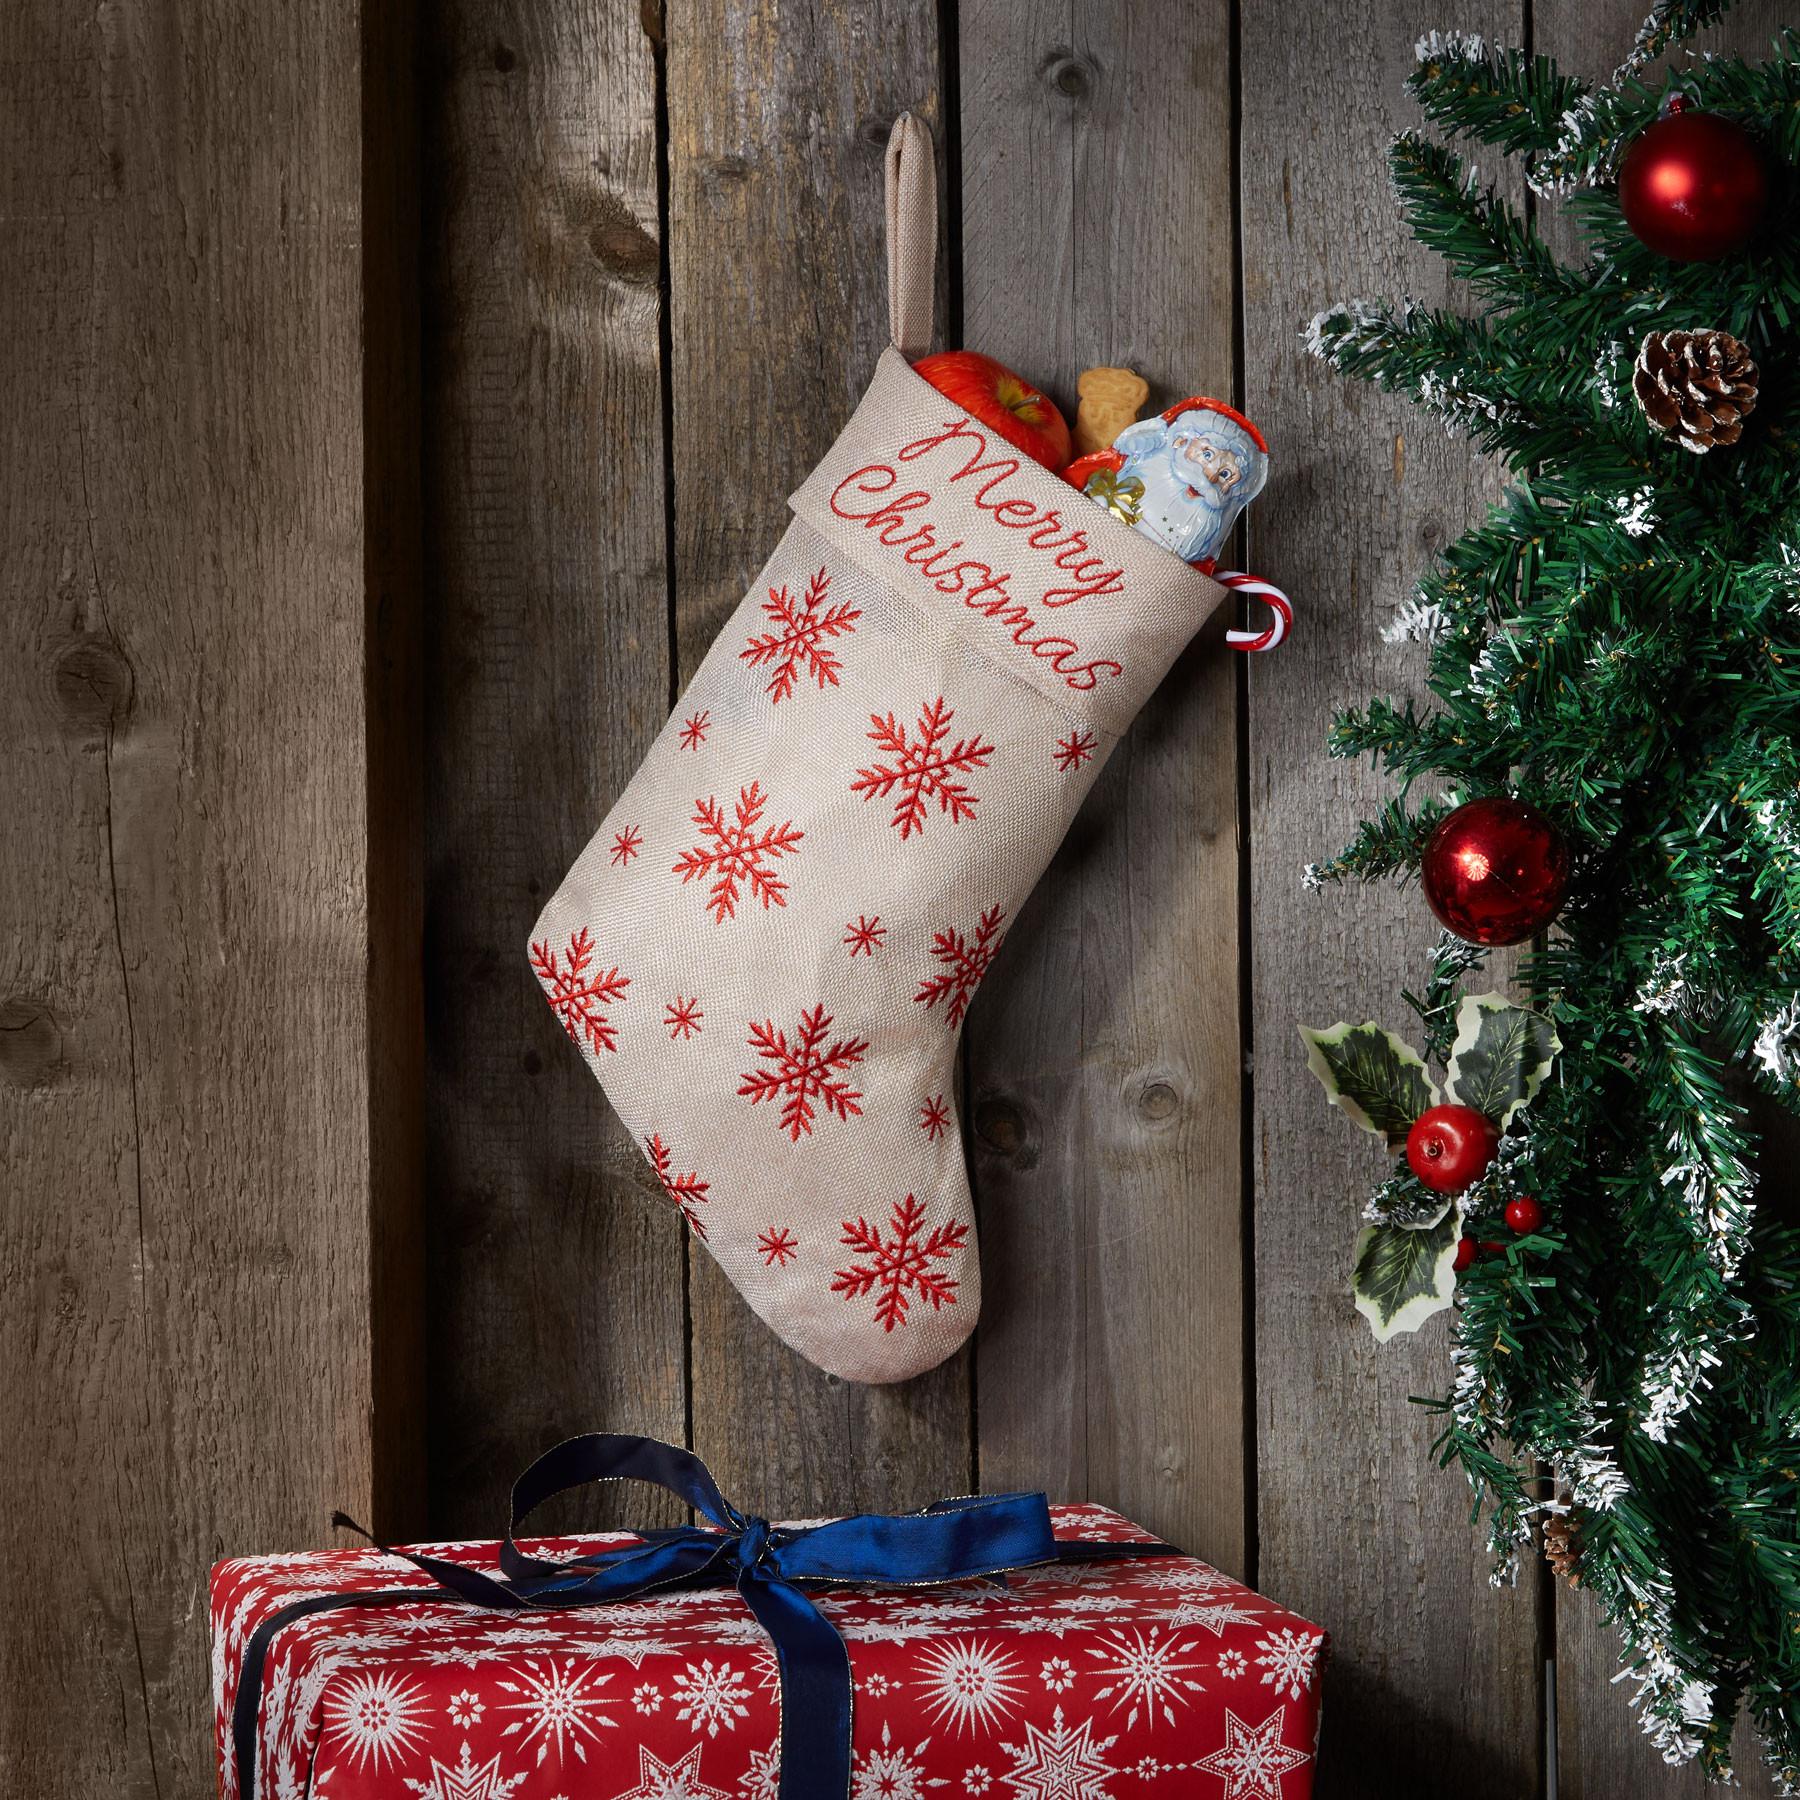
[1136,1680]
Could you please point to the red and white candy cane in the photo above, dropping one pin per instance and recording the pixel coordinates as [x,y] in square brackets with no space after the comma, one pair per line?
[1283,609]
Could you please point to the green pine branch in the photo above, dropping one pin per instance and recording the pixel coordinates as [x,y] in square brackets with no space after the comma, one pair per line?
[1617,642]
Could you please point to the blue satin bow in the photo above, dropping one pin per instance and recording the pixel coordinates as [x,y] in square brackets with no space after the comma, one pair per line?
[951,1540]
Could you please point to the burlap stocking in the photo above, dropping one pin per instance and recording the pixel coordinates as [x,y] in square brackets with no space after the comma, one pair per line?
[767,952]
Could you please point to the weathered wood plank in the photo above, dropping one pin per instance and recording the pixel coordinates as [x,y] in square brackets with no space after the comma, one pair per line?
[557,1283]
[1436,1678]
[1104,1053]
[195,1101]
[778,118]
[1602,1755]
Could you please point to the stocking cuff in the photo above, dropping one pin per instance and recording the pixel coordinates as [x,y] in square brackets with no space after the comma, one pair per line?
[997,552]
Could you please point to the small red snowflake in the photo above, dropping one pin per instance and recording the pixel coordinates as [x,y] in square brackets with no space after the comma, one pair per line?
[778,1247]
[864,937]
[1071,752]
[694,729]
[922,768]
[803,1070]
[900,1264]
[934,1117]
[965,961]
[687,1192]
[797,639]
[577,995]
[683,1018]
[625,845]
[736,852]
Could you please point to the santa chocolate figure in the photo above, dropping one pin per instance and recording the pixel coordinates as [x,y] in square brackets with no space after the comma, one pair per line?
[1181,478]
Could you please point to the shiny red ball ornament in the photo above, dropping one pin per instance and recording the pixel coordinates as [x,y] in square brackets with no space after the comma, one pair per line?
[1495,871]
[1449,1146]
[1694,187]
[1465,1254]
[1524,1215]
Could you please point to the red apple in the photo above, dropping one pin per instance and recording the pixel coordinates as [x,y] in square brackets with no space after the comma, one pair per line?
[1449,1146]
[990,392]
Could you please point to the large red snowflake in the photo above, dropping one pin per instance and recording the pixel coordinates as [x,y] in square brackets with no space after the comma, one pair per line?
[898,1265]
[965,961]
[923,769]
[800,629]
[578,994]
[688,1192]
[803,1069]
[735,852]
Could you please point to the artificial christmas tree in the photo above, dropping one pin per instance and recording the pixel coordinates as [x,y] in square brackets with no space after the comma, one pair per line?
[1616,645]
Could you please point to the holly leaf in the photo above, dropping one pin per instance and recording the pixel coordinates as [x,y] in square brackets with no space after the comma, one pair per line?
[1371,1076]
[1403,1275]
[1500,1057]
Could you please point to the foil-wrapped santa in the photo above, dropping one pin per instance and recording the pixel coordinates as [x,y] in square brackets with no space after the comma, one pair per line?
[1181,478]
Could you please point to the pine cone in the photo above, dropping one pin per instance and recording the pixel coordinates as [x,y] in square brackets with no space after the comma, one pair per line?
[1697,387]
[1562,1532]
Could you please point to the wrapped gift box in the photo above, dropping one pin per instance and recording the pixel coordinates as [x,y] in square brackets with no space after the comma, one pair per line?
[1127,1680]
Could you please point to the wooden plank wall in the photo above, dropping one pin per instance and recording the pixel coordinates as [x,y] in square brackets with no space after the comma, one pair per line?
[209,975]
[374,473]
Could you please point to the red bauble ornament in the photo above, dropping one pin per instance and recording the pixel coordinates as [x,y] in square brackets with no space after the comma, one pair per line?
[1449,1146]
[1694,187]
[1465,1254]
[1495,871]
[1524,1215]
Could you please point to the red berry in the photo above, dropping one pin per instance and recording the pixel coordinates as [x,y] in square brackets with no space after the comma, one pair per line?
[1524,1215]
[1449,1146]
[1465,1254]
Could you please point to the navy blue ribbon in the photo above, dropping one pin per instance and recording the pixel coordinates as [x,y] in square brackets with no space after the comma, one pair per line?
[769,1565]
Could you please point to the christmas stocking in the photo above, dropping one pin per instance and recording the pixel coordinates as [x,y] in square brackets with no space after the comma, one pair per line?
[767,952]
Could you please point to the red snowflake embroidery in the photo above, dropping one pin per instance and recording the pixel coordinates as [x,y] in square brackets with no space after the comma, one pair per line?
[684,1191]
[578,995]
[803,1071]
[625,845]
[922,768]
[778,1247]
[864,937]
[683,1018]
[934,1117]
[965,961]
[1071,752]
[694,729]
[899,1264]
[798,637]
[738,852]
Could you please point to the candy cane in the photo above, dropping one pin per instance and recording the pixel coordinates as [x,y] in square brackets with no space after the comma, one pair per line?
[1272,633]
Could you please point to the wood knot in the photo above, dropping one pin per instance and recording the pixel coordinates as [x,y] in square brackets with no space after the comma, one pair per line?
[31,1043]
[92,683]
[1068,76]
[621,246]
[505,58]
[1003,1128]
[1157,1101]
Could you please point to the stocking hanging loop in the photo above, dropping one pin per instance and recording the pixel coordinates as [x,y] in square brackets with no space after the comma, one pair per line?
[911,236]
